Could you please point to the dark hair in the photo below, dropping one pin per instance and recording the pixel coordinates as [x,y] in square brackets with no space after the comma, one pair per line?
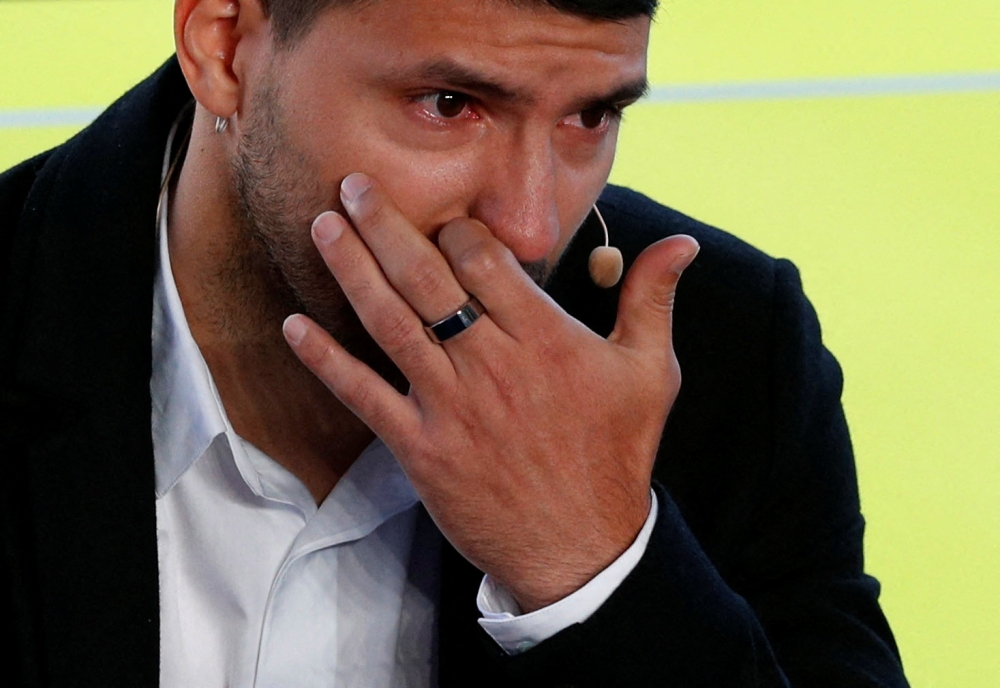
[292,18]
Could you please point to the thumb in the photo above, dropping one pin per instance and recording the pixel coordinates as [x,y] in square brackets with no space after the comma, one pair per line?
[646,305]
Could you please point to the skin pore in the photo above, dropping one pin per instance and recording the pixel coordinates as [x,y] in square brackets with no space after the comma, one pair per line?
[504,113]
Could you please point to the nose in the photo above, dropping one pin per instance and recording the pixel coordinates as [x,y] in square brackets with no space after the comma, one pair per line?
[517,198]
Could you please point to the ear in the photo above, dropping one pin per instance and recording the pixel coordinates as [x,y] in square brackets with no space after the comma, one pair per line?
[208,34]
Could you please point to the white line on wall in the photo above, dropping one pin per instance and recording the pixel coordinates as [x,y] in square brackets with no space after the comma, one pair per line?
[838,87]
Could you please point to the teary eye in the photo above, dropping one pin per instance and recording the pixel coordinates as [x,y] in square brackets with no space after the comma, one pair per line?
[594,117]
[448,104]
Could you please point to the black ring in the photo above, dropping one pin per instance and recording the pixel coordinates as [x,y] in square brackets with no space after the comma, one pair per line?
[457,322]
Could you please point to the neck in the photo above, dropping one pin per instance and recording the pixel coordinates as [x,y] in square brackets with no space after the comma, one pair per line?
[234,309]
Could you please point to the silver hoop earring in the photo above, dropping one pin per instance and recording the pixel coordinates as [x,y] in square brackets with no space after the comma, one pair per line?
[221,124]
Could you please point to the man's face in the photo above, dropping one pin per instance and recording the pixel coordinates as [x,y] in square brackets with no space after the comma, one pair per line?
[475,108]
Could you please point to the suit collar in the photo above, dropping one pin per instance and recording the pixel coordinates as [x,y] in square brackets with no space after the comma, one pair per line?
[77,359]
[89,229]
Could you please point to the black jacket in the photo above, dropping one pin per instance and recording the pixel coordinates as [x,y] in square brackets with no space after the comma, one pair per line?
[753,576]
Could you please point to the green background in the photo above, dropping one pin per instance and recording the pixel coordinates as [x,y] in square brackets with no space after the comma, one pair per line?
[889,204]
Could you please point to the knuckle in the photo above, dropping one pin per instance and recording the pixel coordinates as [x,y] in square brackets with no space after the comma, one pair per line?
[552,348]
[460,230]
[395,332]
[404,340]
[359,395]
[372,211]
[320,357]
[481,259]
[315,350]
[347,264]
[423,280]
[375,413]
[508,388]
[419,462]
[675,380]
[661,298]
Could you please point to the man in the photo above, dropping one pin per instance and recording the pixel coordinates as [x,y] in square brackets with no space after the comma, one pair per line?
[359,171]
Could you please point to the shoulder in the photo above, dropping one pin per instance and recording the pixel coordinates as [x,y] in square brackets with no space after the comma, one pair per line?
[737,308]
[729,264]
[17,186]
[729,283]
[77,228]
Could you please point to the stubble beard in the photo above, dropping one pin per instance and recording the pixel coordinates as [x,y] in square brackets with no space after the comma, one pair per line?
[275,267]
[280,271]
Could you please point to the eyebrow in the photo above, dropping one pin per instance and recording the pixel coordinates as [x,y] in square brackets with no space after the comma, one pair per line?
[454,75]
[466,79]
[622,96]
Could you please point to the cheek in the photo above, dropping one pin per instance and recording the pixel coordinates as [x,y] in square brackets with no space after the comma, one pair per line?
[428,190]
[568,229]
[578,194]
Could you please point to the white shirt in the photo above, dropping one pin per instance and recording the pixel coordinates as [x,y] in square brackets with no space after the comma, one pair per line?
[260,587]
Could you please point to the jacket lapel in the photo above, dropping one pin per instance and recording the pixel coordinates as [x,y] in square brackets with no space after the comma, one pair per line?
[79,342]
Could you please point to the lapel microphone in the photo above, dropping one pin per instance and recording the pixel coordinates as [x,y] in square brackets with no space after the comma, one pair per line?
[605,264]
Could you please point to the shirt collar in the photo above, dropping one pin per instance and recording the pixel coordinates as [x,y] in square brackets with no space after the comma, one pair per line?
[188,416]
[187,411]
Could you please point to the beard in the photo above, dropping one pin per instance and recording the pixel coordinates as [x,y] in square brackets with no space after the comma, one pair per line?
[278,193]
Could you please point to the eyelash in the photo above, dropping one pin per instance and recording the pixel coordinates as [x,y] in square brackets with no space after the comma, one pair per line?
[610,114]
[430,98]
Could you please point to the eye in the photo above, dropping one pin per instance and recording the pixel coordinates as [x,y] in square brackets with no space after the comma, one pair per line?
[445,104]
[593,118]
[598,117]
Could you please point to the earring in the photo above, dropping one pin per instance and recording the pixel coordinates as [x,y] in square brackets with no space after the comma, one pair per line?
[221,124]
[605,264]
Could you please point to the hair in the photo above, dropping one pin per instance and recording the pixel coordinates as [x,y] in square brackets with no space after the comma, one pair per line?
[293,18]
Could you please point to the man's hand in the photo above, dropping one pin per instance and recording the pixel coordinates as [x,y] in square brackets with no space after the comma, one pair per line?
[529,438]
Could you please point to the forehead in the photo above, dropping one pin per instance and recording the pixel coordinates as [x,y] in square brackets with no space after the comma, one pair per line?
[530,44]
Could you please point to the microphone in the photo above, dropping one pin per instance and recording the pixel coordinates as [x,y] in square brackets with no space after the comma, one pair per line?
[605,264]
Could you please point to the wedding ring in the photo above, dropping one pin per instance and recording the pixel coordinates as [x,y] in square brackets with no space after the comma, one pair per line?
[457,322]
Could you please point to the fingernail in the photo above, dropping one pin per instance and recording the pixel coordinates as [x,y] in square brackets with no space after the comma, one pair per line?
[682,261]
[353,187]
[327,228]
[295,329]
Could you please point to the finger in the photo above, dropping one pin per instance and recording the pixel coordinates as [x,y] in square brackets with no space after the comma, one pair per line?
[645,308]
[410,261]
[487,269]
[386,316]
[388,414]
